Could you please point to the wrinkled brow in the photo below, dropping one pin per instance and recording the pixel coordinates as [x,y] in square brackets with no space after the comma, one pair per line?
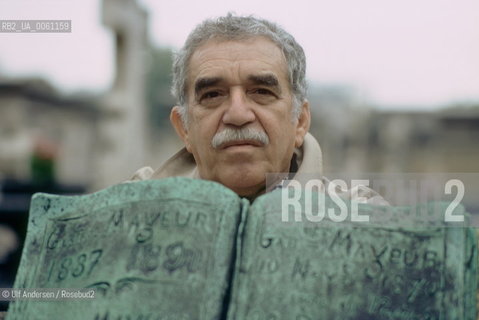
[268,80]
[203,83]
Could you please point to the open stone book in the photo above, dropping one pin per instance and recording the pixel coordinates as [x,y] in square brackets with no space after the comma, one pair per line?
[180,248]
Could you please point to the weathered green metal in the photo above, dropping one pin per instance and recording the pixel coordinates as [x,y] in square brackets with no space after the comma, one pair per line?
[406,263]
[152,250]
[179,248]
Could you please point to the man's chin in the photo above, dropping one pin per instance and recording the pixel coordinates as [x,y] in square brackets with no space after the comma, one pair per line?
[245,179]
[248,188]
[250,193]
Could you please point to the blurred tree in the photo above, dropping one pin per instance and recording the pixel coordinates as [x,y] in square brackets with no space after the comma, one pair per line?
[158,83]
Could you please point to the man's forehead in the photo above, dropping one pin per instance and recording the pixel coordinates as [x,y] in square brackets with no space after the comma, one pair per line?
[257,40]
[210,57]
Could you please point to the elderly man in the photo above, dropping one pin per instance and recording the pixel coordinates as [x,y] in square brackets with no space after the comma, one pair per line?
[242,113]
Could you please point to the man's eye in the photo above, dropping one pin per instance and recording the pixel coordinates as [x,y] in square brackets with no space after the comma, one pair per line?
[262,91]
[210,95]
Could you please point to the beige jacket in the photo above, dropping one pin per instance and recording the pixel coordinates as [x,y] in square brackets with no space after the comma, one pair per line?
[307,161]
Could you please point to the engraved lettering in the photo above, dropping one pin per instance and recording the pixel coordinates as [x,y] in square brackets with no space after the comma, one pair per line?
[267,265]
[408,261]
[74,266]
[95,257]
[395,255]
[266,241]
[55,236]
[185,221]
[117,219]
[144,235]
[178,257]
[78,271]
[201,219]
[342,242]
[430,259]
[300,268]
[144,257]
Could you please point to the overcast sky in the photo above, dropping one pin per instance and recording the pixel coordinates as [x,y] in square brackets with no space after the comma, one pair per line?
[411,53]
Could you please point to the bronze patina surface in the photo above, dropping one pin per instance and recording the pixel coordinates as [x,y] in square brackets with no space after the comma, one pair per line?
[152,250]
[179,248]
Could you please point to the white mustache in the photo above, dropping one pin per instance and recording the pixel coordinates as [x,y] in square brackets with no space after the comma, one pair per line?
[230,135]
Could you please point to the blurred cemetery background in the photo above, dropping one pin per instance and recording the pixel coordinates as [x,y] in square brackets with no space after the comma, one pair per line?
[73,143]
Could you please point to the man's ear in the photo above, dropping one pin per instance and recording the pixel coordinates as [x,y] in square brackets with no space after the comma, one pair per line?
[302,126]
[177,122]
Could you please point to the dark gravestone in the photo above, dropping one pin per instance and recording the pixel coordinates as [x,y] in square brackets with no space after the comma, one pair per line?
[189,249]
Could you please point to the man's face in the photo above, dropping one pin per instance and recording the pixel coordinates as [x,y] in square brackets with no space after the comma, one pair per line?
[240,85]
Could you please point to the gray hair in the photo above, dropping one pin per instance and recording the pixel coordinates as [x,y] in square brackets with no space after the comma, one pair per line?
[232,27]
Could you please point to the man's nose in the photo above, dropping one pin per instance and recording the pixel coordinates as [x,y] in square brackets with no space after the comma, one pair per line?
[239,110]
